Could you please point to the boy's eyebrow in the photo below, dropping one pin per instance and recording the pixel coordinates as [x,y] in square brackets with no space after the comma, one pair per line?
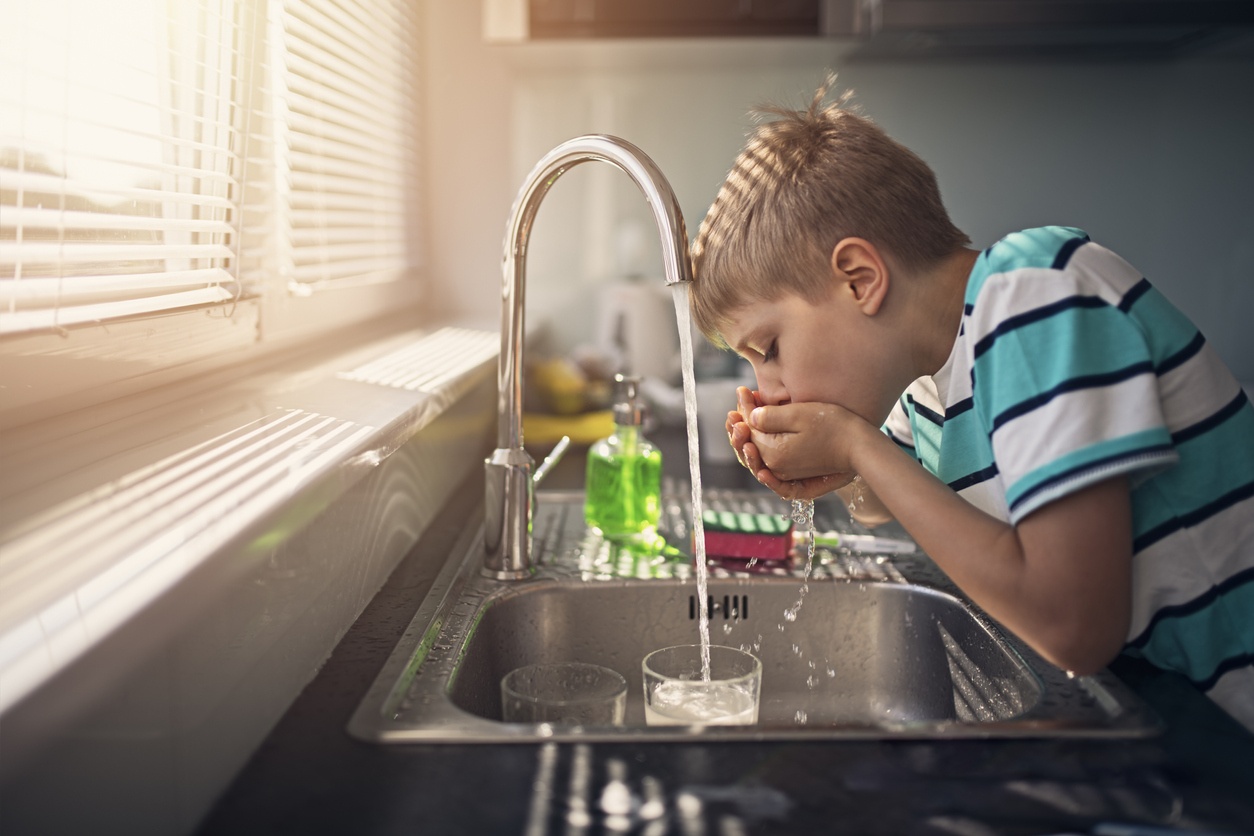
[742,345]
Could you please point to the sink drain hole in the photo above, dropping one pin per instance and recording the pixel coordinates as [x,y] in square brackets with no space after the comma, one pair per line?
[731,606]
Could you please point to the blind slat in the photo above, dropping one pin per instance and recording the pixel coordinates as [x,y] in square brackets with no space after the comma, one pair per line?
[126,148]
[364,272]
[68,219]
[351,235]
[303,203]
[43,183]
[314,135]
[65,316]
[69,252]
[347,83]
[119,174]
[28,291]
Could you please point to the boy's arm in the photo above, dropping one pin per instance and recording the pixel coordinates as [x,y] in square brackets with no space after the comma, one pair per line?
[1060,579]
[864,504]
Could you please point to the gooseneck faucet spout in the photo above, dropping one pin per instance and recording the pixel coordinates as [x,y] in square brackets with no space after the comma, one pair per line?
[509,489]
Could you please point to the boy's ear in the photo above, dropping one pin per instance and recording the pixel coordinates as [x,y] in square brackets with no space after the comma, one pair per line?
[857,263]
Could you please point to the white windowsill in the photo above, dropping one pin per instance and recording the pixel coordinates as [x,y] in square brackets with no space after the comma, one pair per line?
[103,512]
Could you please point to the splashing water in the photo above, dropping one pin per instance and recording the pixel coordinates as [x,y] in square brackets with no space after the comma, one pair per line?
[803,516]
[683,318]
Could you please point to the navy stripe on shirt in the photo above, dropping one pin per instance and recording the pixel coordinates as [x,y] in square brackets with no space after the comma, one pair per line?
[1226,665]
[1207,424]
[1036,315]
[1081,468]
[981,475]
[1198,604]
[1082,382]
[924,412]
[1183,355]
[1194,517]
[1135,292]
[1067,250]
[958,408]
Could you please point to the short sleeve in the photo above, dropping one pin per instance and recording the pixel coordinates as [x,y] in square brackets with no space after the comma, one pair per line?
[1064,385]
[897,427]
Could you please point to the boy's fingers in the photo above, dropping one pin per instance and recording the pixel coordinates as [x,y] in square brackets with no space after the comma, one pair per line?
[737,435]
[750,452]
[745,401]
[764,419]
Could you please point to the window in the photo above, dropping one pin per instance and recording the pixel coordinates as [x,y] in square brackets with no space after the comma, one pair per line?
[343,141]
[180,179]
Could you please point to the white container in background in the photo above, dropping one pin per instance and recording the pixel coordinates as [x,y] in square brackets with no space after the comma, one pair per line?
[637,318]
[715,398]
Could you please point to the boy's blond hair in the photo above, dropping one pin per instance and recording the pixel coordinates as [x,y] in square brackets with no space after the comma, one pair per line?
[805,180]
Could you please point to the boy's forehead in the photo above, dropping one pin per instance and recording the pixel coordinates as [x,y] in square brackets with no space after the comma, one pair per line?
[744,326]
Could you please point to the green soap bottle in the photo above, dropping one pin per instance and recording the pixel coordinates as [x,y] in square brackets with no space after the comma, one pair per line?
[624,480]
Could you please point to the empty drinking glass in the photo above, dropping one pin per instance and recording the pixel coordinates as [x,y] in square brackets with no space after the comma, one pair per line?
[570,693]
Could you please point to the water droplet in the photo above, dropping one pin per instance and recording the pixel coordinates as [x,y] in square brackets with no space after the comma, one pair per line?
[800,717]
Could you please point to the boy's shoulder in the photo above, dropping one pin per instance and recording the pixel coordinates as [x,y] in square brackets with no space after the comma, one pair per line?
[1045,247]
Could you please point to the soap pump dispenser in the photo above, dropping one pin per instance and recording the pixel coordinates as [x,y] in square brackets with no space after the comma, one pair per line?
[624,477]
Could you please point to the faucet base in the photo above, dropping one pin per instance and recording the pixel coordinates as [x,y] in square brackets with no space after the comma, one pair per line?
[509,492]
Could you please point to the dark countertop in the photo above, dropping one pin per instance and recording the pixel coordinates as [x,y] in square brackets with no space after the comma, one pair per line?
[310,777]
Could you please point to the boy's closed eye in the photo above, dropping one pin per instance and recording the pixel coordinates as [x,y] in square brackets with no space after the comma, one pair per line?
[768,353]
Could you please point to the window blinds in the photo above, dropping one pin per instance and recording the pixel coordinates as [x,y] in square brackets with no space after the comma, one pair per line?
[162,154]
[346,145]
[116,159]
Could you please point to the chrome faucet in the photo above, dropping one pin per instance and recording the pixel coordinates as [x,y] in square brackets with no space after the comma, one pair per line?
[510,487]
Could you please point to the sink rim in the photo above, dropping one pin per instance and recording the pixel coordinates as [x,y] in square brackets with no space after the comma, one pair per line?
[418,674]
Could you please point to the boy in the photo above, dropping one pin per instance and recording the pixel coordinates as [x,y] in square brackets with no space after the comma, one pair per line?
[1087,462]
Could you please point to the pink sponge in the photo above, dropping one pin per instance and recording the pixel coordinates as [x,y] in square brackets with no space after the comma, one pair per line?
[747,535]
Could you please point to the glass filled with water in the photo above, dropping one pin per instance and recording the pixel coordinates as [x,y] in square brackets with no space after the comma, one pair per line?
[676,693]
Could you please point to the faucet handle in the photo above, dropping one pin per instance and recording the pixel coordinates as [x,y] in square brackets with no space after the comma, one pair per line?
[554,456]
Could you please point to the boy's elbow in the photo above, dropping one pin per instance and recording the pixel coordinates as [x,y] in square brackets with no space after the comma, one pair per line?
[1081,649]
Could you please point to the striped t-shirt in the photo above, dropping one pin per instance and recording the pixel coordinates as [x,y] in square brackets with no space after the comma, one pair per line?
[1069,368]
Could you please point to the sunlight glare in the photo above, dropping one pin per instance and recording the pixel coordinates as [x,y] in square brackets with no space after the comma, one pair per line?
[86,79]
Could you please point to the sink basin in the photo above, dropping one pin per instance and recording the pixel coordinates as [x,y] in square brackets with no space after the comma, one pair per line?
[861,653]
[877,648]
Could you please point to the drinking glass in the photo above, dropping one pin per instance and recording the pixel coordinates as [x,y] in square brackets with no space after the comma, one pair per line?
[570,693]
[677,694]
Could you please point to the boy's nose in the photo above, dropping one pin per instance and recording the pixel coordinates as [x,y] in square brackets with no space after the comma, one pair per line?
[771,393]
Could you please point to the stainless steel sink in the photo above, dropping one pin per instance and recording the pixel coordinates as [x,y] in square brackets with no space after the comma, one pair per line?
[878,648]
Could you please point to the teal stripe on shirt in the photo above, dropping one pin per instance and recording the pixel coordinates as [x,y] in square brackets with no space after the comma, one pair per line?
[1025,363]
[967,449]
[927,435]
[1219,460]
[1029,248]
[1112,451]
[1197,643]
[1164,327]
[1212,465]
